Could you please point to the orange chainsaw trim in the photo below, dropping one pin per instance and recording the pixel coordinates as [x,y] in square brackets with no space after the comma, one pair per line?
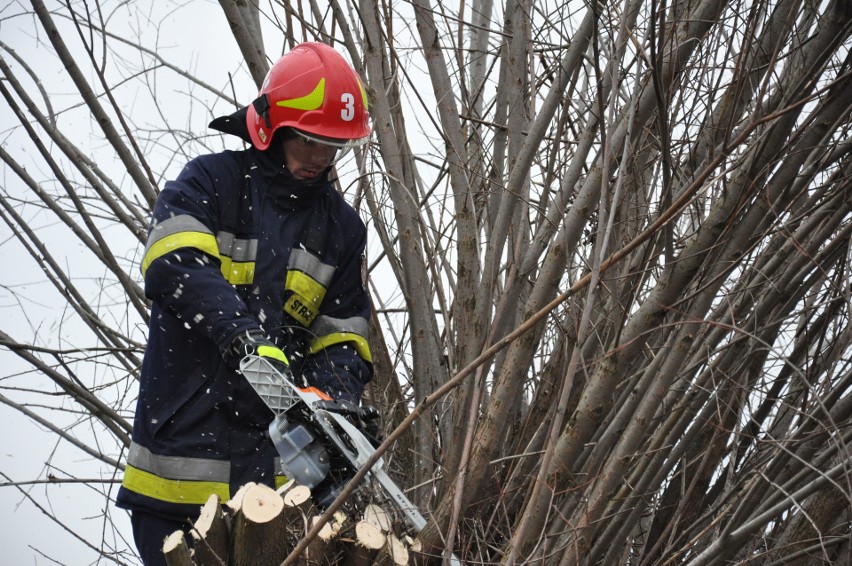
[321,394]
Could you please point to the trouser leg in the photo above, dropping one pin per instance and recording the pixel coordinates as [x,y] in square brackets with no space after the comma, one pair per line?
[149,532]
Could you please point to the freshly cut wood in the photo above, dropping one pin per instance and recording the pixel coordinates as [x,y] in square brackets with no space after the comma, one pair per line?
[260,530]
[379,517]
[339,522]
[369,536]
[299,497]
[210,533]
[259,526]
[261,504]
[325,549]
[369,540]
[176,550]
[298,508]
[236,501]
[286,487]
[413,544]
[418,557]
[393,553]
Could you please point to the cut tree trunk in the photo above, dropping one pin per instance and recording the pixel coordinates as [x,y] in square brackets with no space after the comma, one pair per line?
[210,534]
[379,517]
[326,549]
[393,553]
[260,526]
[176,550]
[369,540]
[260,529]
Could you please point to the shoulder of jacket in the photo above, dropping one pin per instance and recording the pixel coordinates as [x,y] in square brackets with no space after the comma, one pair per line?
[217,170]
[346,211]
[226,160]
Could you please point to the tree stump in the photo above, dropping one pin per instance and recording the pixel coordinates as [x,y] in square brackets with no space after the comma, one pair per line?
[369,540]
[211,535]
[260,529]
[393,553]
[379,517]
[299,500]
[260,526]
[298,509]
[325,549]
[176,550]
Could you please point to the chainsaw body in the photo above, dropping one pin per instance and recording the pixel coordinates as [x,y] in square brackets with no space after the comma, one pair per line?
[318,441]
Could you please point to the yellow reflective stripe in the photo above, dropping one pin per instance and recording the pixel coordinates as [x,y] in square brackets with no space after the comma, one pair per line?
[360,343]
[310,101]
[198,240]
[307,287]
[178,491]
[237,273]
[272,352]
[306,299]
[173,491]
[237,255]
[363,94]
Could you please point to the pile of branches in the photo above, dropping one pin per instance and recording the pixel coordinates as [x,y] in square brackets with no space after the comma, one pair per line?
[261,526]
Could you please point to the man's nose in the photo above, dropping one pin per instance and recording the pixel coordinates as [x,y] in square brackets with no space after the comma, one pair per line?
[322,155]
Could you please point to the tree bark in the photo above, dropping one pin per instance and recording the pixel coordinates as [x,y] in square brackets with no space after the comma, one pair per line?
[211,534]
[368,541]
[176,550]
[259,529]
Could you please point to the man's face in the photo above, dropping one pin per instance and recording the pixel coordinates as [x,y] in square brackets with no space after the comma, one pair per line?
[306,159]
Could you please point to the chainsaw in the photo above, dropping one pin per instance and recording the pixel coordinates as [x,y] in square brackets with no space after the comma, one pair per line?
[320,441]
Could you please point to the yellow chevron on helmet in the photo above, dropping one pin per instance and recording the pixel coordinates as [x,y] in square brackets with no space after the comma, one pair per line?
[310,101]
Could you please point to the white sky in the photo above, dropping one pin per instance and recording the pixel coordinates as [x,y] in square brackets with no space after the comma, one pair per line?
[195,36]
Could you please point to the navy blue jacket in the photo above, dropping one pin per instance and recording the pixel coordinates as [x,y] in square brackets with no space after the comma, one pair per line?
[236,243]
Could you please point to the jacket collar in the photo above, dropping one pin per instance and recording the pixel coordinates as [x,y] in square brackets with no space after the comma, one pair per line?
[287,191]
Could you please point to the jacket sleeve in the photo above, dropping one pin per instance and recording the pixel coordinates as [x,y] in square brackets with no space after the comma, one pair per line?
[338,358]
[181,265]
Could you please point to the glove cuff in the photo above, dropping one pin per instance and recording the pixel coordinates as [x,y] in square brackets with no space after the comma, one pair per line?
[243,344]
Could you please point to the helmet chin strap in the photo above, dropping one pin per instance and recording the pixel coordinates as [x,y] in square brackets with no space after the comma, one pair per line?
[262,105]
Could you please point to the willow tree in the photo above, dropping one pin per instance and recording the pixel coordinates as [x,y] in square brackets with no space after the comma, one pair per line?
[609,262]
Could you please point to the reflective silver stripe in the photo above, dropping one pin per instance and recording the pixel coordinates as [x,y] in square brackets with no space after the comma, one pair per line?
[306,262]
[324,325]
[177,467]
[189,469]
[239,250]
[174,225]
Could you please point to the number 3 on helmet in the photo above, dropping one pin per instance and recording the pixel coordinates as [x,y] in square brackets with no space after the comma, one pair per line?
[313,89]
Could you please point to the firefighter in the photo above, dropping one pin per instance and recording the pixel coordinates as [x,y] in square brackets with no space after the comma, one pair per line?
[250,251]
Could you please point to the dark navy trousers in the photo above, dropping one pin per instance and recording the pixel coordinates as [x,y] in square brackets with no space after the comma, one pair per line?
[149,532]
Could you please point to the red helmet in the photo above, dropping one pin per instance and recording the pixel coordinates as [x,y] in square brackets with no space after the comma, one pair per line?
[314,90]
